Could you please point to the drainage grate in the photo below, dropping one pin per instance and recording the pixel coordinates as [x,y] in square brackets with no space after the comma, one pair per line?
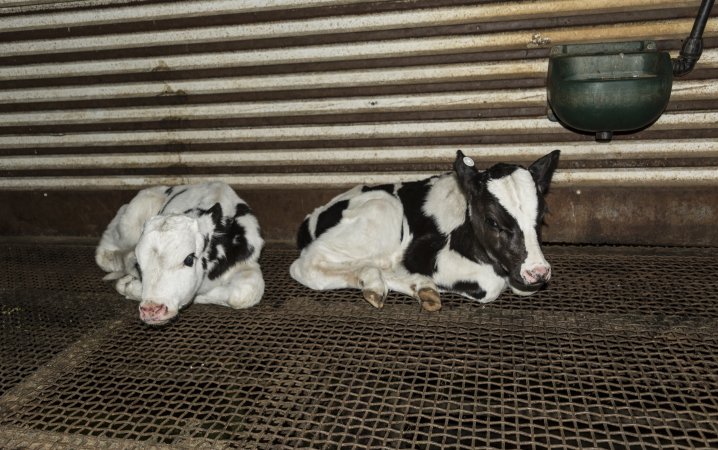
[49,267]
[618,353]
[38,325]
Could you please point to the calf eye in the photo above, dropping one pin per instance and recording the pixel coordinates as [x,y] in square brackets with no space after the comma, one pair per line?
[492,223]
[139,271]
[189,260]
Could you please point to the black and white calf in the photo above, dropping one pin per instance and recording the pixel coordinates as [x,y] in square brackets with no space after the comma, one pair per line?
[471,232]
[171,245]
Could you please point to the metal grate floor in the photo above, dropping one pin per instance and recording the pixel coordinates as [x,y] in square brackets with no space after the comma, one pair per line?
[620,352]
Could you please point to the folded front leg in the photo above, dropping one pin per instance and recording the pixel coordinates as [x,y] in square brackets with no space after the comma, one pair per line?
[241,287]
[130,287]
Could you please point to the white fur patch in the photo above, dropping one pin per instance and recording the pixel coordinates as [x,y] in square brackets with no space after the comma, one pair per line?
[446,203]
[453,267]
[367,235]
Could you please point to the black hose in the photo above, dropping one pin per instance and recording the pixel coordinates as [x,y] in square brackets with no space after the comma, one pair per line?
[693,46]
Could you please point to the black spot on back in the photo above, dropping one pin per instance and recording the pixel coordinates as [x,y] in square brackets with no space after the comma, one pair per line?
[420,256]
[169,190]
[304,238]
[388,188]
[330,217]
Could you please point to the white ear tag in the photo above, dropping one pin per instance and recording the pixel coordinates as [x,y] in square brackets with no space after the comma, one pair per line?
[468,161]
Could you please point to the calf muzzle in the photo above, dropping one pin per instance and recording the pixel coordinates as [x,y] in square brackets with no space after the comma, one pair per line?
[538,274]
[154,313]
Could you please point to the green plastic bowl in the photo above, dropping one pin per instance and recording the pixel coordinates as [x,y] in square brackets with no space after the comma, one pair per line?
[607,88]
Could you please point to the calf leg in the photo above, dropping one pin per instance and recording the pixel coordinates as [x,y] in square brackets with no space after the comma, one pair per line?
[110,253]
[241,288]
[130,287]
[373,286]
[322,276]
[418,286]
[355,252]
[125,229]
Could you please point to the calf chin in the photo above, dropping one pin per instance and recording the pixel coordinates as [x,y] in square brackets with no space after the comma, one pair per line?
[526,289]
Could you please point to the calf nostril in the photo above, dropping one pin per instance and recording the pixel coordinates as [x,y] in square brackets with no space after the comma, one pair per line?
[153,309]
[542,272]
[529,276]
[536,274]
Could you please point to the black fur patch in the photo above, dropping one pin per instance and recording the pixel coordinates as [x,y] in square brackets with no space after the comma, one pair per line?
[169,190]
[215,211]
[330,217]
[464,242]
[420,256]
[217,215]
[388,188]
[231,237]
[304,238]
[242,210]
[469,288]
[501,170]
[139,271]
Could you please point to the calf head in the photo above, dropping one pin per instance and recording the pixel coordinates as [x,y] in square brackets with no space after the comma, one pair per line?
[506,209]
[169,260]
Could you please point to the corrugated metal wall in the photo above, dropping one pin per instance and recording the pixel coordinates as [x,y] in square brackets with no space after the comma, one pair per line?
[290,100]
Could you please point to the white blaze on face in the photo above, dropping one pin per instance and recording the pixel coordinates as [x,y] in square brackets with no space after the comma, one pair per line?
[165,244]
[517,194]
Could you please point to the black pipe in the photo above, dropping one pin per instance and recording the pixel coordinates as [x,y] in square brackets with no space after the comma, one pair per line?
[693,46]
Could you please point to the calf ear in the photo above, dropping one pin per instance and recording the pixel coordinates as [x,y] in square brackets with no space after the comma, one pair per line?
[466,173]
[210,219]
[542,170]
[216,212]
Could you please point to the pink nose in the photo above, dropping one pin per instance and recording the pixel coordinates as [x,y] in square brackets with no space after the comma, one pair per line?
[153,312]
[537,274]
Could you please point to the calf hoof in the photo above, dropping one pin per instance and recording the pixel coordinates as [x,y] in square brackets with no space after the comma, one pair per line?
[109,260]
[376,299]
[129,287]
[430,299]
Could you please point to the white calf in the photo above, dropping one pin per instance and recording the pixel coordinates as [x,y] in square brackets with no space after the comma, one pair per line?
[171,245]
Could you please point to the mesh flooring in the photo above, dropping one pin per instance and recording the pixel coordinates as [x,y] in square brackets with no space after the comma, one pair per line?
[620,352]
